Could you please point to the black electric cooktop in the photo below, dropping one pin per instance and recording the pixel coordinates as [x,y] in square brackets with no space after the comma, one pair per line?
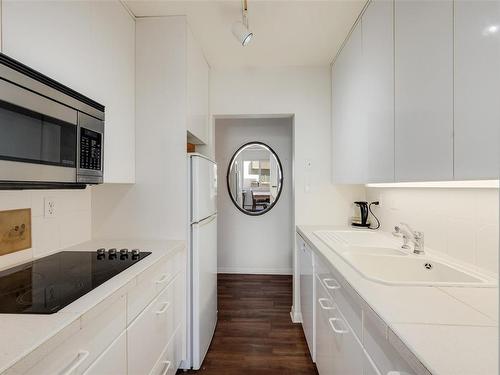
[46,285]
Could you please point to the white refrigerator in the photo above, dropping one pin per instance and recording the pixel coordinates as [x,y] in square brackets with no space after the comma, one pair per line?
[202,275]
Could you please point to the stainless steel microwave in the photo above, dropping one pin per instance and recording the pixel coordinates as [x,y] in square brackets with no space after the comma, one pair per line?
[50,135]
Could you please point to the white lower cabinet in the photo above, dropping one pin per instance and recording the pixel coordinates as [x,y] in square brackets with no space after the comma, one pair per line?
[79,345]
[384,356]
[338,351]
[150,333]
[113,360]
[139,329]
[350,338]
[171,356]
[307,293]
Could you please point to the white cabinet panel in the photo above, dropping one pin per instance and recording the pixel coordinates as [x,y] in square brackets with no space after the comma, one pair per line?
[307,286]
[349,138]
[378,83]
[74,350]
[385,357]
[149,334]
[90,47]
[477,81]
[338,350]
[424,90]
[342,293]
[170,359]
[197,88]
[113,361]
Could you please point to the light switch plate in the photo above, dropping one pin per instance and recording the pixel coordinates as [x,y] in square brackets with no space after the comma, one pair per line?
[50,207]
[15,230]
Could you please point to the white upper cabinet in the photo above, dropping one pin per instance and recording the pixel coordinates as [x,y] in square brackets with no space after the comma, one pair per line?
[90,47]
[477,85]
[378,83]
[197,89]
[363,100]
[349,138]
[423,90]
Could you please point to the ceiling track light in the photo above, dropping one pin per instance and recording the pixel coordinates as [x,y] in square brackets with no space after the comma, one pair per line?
[241,29]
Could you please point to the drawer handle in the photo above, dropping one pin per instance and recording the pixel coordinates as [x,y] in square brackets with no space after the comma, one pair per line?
[335,329]
[323,306]
[163,309]
[167,367]
[80,358]
[334,283]
[162,279]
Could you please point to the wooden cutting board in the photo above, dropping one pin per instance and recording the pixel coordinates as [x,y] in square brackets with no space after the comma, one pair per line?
[15,230]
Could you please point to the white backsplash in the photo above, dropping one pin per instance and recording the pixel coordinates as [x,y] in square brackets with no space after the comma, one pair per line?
[70,225]
[463,223]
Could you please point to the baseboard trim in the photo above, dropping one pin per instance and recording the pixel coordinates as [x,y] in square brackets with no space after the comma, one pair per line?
[256,271]
[296,316]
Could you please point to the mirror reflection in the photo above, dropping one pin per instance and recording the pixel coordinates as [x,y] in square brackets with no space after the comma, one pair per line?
[254,178]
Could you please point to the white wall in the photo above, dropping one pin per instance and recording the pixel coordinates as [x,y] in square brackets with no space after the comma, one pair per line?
[305,93]
[70,226]
[88,46]
[254,244]
[156,205]
[463,223]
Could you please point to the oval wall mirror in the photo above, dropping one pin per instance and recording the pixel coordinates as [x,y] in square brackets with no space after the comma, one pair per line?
[255,178]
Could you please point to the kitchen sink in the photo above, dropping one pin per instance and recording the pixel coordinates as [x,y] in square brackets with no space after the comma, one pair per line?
[378,257]
[411,270]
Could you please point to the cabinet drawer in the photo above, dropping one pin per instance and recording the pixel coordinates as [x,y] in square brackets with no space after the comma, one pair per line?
[375,342]
[84,341]
[151,282]
[342,294]
[149,334]
[113,361]
[170,359]
[338,351]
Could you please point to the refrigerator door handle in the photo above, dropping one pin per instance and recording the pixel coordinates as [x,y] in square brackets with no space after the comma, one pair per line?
[206,221]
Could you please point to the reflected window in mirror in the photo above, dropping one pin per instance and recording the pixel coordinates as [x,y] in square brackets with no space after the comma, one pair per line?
[255,178]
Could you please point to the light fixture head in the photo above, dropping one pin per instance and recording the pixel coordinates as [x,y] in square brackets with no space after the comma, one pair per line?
[242,33]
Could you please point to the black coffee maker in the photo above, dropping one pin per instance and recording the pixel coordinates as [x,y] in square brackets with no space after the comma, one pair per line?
[363,215]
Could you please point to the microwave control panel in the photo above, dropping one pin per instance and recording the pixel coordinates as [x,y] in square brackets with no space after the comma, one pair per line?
[90,149]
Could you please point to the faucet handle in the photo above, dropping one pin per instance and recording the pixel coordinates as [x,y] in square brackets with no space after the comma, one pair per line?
[418,235]
[410,229]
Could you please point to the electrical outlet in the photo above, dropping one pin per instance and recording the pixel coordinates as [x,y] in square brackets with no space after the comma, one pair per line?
[50,207]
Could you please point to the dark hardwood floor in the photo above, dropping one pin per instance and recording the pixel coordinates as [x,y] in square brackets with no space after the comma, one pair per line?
[255,334]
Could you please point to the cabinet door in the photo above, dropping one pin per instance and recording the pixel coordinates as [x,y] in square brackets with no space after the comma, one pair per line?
[424,90]
[477,81]
[324,344]
[197,90]
[349,138]
[307,295]
[150,332]
[113,361]
[378,103]
[338,350]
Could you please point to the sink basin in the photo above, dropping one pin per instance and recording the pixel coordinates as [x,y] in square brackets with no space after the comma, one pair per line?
[411,270]
[378,257]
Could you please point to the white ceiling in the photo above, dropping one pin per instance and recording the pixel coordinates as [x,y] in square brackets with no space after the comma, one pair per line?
[287,32]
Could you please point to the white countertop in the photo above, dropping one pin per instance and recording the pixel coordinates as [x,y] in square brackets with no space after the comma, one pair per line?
[451,330]
[22,333]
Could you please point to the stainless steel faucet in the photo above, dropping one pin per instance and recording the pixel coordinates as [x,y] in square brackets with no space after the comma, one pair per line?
[408,234]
